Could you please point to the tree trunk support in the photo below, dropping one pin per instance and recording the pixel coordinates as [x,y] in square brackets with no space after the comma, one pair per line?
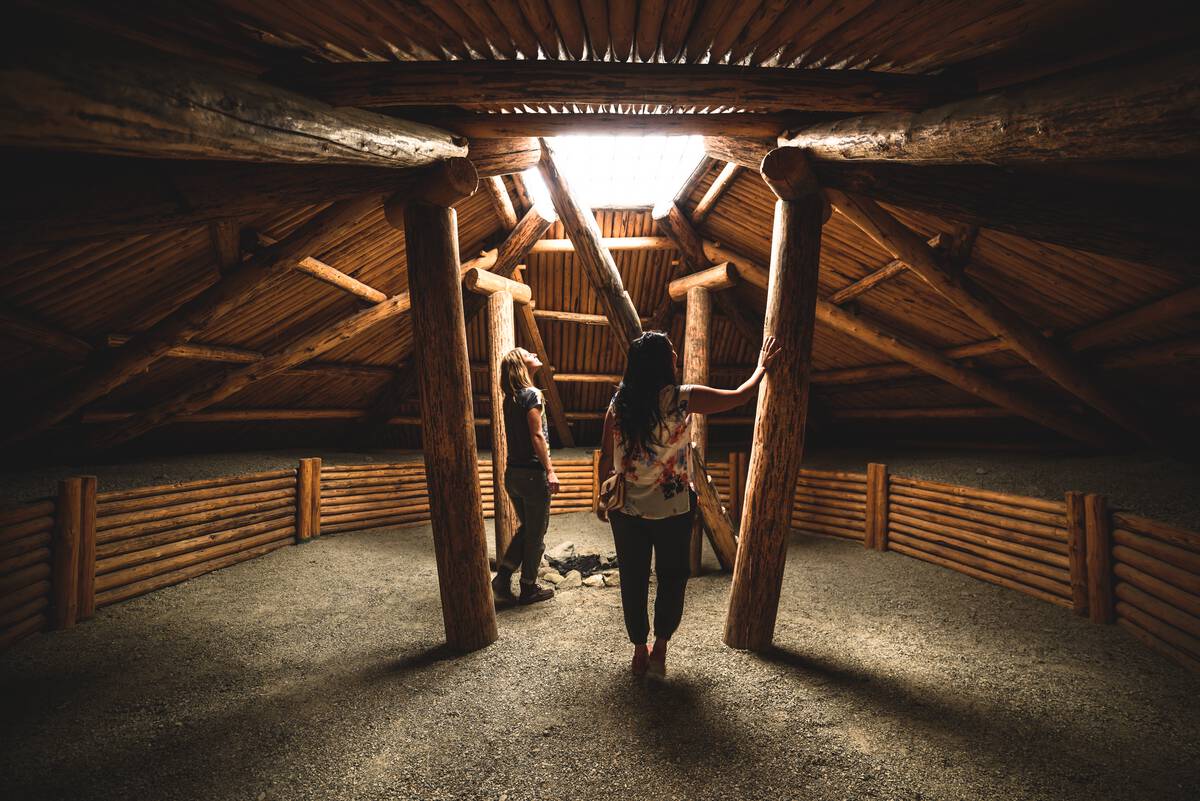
[501,339]
[778,444]
[697,331]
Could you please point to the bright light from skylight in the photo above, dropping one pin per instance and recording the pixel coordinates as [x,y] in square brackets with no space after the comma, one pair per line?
[620,170]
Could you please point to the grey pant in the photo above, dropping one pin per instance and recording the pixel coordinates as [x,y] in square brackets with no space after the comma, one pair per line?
[530,495]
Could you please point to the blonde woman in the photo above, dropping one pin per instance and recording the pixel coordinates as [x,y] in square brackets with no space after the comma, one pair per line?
[528,477]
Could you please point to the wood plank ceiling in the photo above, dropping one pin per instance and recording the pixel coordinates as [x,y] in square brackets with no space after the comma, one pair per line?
[93,289]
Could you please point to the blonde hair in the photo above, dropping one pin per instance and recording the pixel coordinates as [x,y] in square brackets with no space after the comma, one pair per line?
[514,375]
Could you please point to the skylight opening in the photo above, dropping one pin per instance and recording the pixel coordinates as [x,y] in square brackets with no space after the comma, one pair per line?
[607,171]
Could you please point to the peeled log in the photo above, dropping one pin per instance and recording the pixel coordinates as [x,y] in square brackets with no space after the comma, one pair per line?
[597,262]
[447,427]
[501,333]
[163,108]
[1121,112]
[778,442]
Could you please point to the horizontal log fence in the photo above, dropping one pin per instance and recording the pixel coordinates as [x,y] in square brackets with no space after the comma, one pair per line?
[63,557]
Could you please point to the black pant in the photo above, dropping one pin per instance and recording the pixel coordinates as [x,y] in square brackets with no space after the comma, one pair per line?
[669,539]
[530,496]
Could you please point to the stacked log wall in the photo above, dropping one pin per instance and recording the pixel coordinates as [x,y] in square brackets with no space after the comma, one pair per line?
[152,537]
[26,534]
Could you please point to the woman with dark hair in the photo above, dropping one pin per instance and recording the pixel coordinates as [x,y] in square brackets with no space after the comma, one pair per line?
[646,437]
[529,478]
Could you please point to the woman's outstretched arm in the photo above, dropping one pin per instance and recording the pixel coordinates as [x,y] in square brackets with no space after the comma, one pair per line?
[709,400]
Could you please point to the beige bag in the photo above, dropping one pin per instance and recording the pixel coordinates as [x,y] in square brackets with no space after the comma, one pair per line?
[612,491]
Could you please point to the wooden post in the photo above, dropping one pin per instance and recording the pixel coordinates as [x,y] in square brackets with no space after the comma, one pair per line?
[64,577]
[697,329]
[597,262]
[1077,551]
[501,339]
[877,507]
[1098,525]
[308,500]
[86,607]
[596,478]
[448,426]
[778,442]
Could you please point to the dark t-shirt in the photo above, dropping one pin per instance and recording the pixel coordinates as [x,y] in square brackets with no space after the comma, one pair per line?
[516,427]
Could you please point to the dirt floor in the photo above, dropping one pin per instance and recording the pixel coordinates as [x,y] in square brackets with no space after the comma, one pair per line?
[316,673]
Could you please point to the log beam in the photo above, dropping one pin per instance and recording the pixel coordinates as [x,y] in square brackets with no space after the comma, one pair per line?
[1118,112]
[715,278]
[67,196]
[610,242]
[447,427]
[153,107]
[505,156]
[722,182]
[595,259]
[778,441]
[697,330]
[108,370]
[986,311]
[501,337]
[497,193]
[933,362]
[874,278]
[484,125]
[482,282]
[471,83]
[1098,215]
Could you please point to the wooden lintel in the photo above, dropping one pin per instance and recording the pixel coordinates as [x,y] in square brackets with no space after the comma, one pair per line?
[483,282]
[1118,112]
[718,277]
[156,107]
[471,83]
[610,242]
[485,125]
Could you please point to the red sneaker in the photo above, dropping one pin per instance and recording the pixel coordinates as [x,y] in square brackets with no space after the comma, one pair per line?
[641,658]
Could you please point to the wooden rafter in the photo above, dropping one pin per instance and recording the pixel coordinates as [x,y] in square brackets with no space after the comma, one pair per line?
[893,343]
[473,83]
[1099,214]
[1055,362]
[722,182]
[873,279]
[671,124]
[597,263]
[65,196]
[109,370]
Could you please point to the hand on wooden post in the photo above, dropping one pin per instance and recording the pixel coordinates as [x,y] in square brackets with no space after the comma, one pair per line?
[770,350]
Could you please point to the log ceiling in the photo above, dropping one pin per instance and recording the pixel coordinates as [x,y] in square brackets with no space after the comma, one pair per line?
[225,258]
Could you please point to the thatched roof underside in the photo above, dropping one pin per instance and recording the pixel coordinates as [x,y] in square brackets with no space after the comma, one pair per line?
[96,289]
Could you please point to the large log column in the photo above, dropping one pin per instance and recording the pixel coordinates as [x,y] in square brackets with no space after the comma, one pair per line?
[778,443]
[448,425]
[501,339]
[597,262]
[697,328]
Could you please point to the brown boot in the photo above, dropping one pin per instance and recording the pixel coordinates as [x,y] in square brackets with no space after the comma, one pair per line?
[533,593]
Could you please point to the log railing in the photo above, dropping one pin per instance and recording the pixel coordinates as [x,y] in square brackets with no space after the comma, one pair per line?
[62,557]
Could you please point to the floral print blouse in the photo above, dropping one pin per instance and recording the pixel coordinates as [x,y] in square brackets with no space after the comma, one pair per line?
[657,484]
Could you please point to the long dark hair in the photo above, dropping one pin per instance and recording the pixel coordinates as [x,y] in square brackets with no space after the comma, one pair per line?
[649,368]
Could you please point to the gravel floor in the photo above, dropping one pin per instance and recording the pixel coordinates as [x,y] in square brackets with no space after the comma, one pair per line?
[316,673]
